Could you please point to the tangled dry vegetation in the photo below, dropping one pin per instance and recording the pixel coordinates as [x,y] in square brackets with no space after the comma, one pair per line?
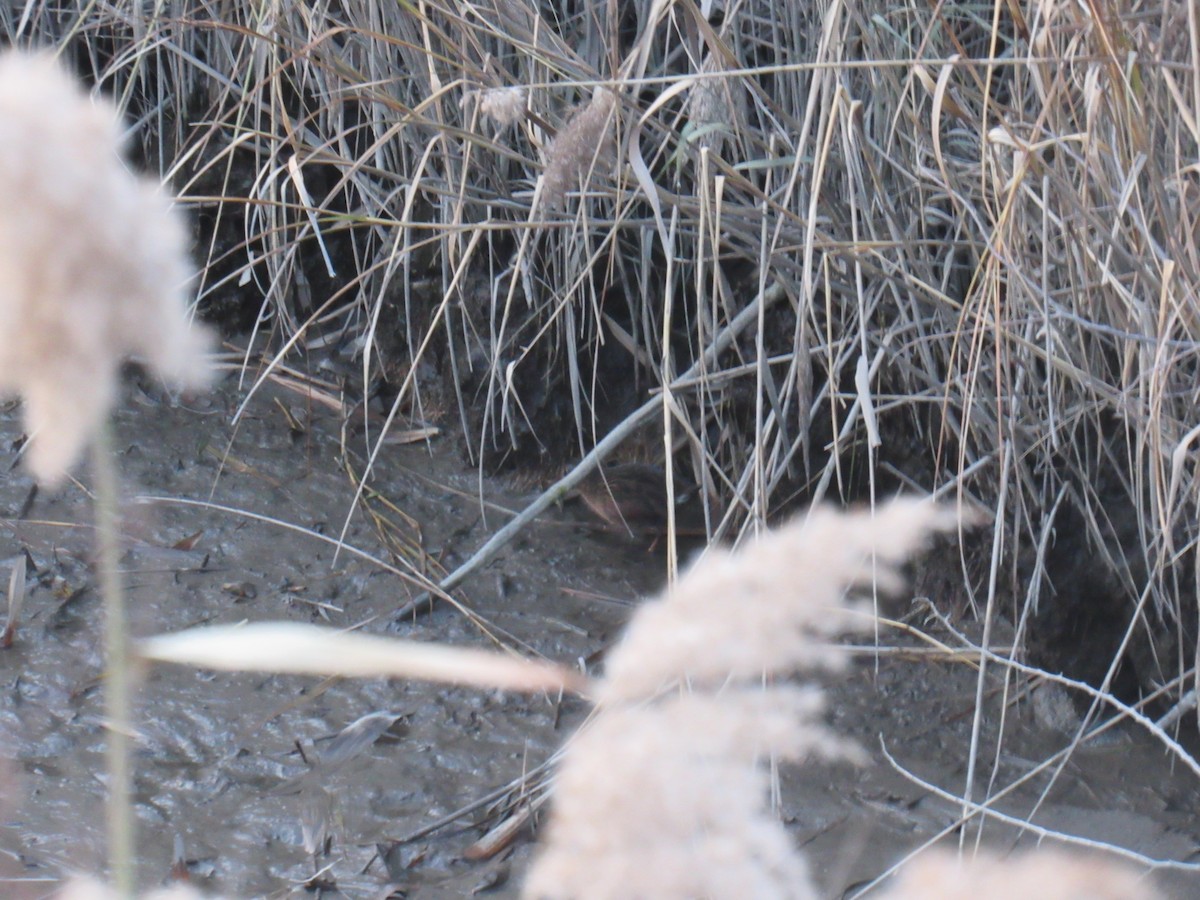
[827,249]
[811,250]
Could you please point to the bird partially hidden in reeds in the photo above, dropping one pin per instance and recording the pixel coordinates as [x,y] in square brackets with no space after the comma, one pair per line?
[632,499]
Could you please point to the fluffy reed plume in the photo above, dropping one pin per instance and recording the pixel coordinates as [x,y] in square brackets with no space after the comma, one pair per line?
[660,796]
[1045,874]
[503,105]
[713,113]
[665,800]
[738,615]
[93,263]
[579,146]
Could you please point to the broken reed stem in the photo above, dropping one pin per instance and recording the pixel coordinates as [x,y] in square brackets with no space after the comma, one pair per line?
[611,441]
[119,810]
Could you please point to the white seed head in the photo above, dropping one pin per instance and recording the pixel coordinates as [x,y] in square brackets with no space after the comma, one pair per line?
[93,263]
[503,105]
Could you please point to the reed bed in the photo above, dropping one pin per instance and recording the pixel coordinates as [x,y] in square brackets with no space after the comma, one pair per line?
[805,251]
[971,229]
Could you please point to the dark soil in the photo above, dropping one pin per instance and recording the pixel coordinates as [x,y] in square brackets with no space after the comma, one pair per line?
[246,776]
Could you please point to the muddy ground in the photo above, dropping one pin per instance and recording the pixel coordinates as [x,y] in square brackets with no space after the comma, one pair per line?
[240,772]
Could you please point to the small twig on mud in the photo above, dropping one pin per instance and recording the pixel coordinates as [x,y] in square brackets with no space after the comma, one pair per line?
[559,490]
[501,836]
[16,600]
[1185,705]
[526,784]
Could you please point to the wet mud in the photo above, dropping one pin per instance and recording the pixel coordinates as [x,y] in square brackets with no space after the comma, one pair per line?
[272,786]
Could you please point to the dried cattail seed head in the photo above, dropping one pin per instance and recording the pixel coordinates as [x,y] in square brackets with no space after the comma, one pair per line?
[584,143]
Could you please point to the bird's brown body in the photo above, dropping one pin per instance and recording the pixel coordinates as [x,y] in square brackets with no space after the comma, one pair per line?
[632,498]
